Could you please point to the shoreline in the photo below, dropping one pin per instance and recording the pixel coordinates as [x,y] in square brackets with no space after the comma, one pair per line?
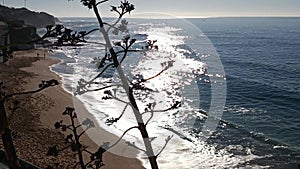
[62,98]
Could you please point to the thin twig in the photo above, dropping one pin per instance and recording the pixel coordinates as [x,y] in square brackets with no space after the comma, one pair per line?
[136,147]
[114,120]
[151,116]
[121,100]
[167,141]
[65,148]
[78,126]
[123,111]
[134,127]
[76,165]
[34,91]
[83,132]
[114,24]
[145,80]
[102,88]
[87,151]
[101,72]
[98,3]
[108,24]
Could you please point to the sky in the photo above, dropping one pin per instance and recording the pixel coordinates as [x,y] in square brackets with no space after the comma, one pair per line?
[177,8]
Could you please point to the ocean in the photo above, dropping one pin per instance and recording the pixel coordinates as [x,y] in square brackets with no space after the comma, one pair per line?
[238,80]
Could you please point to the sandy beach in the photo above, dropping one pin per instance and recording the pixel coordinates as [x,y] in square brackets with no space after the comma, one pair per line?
[60,99]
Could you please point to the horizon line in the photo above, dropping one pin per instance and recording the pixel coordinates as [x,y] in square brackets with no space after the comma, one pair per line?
[193,17]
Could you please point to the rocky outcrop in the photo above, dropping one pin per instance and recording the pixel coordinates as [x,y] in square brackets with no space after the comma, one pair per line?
[36,19]
[22,36]
[18,27]
[17,35]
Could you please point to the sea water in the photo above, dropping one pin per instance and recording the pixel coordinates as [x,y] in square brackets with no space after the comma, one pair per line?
[259,127]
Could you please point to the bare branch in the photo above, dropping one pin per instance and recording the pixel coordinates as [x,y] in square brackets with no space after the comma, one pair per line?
[91,31]
[124,55]
[134,127]
[114,120]
[174,106]
[144,80]
[136,147]
[110,25]
[151,116]
[84,84]
[87,151]
[98,3]
[167,141]
[84,33]
[116,22]
[102,72]
[43,85]
[88,165]
[98,89]
[97,13]
[54,151]
[86,129]
[75,166]
[121,100]
[70,127]
[78,126]
[167,66]
[102,88]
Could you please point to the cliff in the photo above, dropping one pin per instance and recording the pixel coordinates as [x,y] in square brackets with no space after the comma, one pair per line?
[19,37]
[36,19]
[18,26]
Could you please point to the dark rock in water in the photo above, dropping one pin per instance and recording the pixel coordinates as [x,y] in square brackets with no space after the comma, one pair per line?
[36,19]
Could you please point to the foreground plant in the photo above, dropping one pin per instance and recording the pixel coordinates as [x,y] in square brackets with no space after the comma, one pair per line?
[5,131]
[72,141]
[116,53]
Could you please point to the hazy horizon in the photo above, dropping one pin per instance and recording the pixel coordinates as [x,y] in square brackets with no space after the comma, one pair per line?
[184,17]
[176,8]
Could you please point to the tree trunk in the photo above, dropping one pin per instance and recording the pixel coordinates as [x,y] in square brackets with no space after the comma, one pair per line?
[11,155]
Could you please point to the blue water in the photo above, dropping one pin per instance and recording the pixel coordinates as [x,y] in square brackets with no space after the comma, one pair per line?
[261,60]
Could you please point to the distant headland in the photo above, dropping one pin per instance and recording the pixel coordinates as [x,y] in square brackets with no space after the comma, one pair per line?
[18,26]
[36,19]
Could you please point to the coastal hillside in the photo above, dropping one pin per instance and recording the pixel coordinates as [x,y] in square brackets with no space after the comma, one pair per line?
[36,19]
[18,26]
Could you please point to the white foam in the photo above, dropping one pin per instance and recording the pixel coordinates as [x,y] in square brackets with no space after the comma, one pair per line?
[180,153]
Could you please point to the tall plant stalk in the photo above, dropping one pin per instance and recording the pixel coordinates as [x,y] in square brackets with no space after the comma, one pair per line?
[129,91]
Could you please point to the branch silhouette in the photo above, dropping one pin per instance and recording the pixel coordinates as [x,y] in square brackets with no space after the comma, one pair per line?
[43,85]
[73,140]
[115,54]
[6,133]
